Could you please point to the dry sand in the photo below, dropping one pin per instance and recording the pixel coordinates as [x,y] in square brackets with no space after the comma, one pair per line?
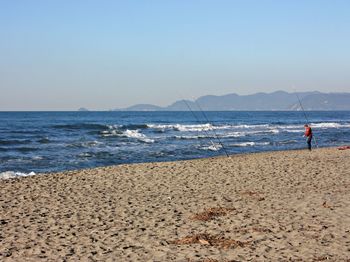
[275,206]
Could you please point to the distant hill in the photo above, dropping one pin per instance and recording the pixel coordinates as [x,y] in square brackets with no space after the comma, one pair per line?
[83,109]
[332,101]
[260,101]
[278,100]
[142,107]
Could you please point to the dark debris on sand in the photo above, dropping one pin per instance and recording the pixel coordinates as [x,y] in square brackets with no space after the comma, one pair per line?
[210,240]
[211,213]
[211,260]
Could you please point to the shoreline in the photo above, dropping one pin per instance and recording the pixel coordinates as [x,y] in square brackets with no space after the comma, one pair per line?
[19,175]
[274,205]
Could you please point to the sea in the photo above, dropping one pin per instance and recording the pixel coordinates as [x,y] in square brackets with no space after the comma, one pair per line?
[44,142]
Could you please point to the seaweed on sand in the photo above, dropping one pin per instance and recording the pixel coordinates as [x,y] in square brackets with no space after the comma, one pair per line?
[210,240]
[211,213]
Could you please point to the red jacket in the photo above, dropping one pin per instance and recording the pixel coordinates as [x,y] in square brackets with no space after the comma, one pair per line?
[308,131]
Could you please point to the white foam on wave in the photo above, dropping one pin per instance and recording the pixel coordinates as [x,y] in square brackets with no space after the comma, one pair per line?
[291,126]
[244,144]
[114,126]
[293,130]
[214,136]
[249,143]
[137,135]
[91,143]
[274,131]
[263,143]
[110,133]
[250,132]
[189,128]
[234,134]
[316,125]
[329,125]
[160,126]
[212,147]
[85,154]
[13,174]
[183,128]
[251,126]
[207,126]
[193,137]
[253,132]
[244,129]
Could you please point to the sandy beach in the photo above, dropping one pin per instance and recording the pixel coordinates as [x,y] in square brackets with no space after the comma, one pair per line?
[274,206]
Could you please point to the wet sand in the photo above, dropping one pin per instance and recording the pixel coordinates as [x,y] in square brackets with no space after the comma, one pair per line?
[275,206]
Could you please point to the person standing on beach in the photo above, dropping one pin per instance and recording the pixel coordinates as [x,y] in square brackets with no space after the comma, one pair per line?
[308,135]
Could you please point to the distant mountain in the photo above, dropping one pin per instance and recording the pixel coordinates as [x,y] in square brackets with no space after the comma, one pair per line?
[142,107]
[182,105]
[83,109]
[332,101]
[278,100]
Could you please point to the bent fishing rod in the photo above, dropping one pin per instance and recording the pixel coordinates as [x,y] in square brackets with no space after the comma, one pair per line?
[197,119]
[306,118]
[215,135]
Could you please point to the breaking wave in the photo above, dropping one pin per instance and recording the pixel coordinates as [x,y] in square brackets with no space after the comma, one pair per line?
[212,147]
[245,144]
[189,128]
[87,144]
[45,142]
[139,136]
[329,125]
[13,174]
[135,134]
[183,128]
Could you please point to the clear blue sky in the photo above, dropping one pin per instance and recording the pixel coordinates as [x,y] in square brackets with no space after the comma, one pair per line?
[63,54]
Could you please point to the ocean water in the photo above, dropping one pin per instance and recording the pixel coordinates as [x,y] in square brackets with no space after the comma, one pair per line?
[37,142]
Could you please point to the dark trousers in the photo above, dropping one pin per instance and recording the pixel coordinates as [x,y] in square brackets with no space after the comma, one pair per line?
[308,141]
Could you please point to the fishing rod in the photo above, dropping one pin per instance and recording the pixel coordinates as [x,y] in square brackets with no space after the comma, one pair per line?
[306,118]
[198,120]
[216,136]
